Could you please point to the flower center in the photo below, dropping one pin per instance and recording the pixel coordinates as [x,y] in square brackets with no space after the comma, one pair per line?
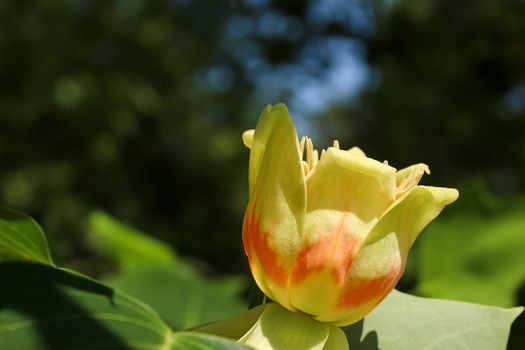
[312,155]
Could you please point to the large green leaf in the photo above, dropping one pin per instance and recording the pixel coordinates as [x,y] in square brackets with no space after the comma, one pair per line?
[150,272]
[42,307]
[21,238]
[404,322]
[128,246]
[47,308]
[183,298]
[475,256]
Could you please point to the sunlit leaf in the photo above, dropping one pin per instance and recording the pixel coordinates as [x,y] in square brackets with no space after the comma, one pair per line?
[403,322]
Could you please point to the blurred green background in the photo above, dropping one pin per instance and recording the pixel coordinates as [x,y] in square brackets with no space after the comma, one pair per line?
[135,108]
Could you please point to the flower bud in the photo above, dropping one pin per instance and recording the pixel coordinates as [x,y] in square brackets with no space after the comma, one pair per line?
[329,235]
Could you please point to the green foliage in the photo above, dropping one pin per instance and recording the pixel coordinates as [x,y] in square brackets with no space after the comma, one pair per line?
[48,308]
[403,322]
[475,252]
[126,245]
[44,307]
[21,238]
[149,271]
[184,299]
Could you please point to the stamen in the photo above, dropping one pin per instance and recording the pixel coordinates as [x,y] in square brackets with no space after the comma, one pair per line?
[309,152]
[336,144]
[315,158]
[306,168]
[312,155]
[301,147]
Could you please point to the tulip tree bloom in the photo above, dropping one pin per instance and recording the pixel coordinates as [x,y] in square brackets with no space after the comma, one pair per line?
[328,234]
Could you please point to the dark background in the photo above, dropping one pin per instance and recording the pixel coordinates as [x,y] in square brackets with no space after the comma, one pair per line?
[137,107]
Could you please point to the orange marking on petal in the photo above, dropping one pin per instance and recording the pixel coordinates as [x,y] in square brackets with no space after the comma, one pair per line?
[256,245]
[335,250]
[361,291]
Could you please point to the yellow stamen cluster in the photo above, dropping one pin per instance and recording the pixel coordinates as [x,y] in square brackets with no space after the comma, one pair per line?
[312,155]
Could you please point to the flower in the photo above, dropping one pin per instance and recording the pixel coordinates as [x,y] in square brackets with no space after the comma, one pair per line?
[329,235]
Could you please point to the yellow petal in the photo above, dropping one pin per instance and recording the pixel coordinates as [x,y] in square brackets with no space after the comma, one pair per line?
[347,181]
[247,137]
[275,126]
[347,192]
[336,340]
[409,177]
[409,215]
[374,272]
[381,260]
[280,329]
[277,205]
[358,151]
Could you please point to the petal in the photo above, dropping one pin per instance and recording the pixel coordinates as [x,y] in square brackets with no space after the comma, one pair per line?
[409,177]
[375,271]
[234,327]
[347,192]
[280,329]
[274,129]
[409,215]
[349,181]
[247,137]
[381,260]
[336,340]
[357,151]
[277,205]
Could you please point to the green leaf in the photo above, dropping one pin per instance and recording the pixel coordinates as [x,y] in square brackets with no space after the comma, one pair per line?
[474,256]
[182,297]
[125,244]
[403,322]
[42,307]
[150,271]
[21,238]
[47,308]
[196,341]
